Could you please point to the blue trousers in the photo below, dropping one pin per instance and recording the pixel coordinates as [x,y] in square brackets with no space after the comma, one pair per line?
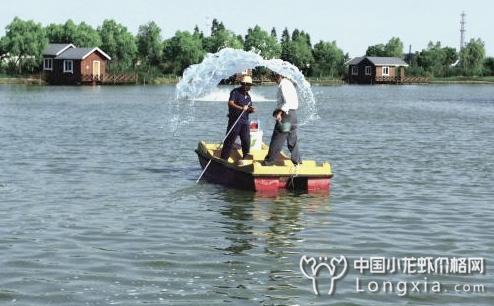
[241,129]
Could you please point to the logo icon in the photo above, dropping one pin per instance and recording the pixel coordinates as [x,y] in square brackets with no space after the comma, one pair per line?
[336,266]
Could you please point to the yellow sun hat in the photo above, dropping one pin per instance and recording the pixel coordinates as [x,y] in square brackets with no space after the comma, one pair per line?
[246,79]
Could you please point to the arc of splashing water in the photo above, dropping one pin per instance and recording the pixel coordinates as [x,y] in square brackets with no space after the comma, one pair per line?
[201,79]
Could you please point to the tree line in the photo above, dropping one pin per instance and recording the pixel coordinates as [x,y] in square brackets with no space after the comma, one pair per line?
[438,61]
[149,54]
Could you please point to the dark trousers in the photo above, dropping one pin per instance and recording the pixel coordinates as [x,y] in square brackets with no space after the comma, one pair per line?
[278,139]
[241,129]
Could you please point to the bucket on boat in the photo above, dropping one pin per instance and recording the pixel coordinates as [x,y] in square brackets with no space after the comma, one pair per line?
[255,139]
[254,125]
[255,136]
[283,127]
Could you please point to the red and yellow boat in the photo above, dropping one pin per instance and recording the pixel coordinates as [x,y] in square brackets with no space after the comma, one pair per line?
[250,174]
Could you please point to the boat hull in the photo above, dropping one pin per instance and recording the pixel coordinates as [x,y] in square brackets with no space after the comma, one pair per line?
[220,173]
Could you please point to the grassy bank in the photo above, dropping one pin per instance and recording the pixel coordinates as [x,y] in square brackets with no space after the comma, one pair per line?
[165,80]
[26,80]
[464,80]
[325,81]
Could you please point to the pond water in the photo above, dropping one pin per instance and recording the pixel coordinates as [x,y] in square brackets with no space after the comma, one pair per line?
[98,201]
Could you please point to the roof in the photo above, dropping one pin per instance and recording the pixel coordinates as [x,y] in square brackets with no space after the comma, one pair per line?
[379,61]
[390,61]
[355,60]
[56,49]
[80,53]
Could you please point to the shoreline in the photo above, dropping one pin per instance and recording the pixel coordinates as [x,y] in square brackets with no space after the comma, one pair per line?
[10,80]
[469,81]
[21,81]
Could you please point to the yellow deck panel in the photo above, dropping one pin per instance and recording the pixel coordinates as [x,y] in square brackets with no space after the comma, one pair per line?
[284,167]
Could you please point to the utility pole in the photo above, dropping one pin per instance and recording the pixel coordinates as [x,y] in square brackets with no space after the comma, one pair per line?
[462,31]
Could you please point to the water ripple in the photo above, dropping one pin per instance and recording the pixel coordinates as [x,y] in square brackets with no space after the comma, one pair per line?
[100,205]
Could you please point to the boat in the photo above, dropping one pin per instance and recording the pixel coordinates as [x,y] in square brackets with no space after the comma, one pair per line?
[250,174]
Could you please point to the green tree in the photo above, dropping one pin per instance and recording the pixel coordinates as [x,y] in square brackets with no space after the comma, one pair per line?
[69,31]
[329,60]
[393,48]
[274,34]
[225,39]
[259,40]
[181,51]
[298,51]
[82,35]
[437,60]
[221,38]
[149,43]
[216,27]
[295,34]
[472,57]
[3,48]
[3,53]
[306,36]
[25,42]
[86,36]
[119,43]
[489,66]
[432,59]
[198,33]
[375,50]
[56,34]
[450,55]
[285,45]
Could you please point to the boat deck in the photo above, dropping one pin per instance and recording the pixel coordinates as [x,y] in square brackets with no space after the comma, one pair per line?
[253,166]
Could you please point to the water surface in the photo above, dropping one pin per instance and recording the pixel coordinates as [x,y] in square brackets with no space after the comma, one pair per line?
[99,203]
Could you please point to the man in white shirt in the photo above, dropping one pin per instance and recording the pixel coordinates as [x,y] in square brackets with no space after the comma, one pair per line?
[286,122]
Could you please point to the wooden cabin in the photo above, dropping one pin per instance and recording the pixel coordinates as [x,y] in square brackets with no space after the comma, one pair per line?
[376,70]
[67,64]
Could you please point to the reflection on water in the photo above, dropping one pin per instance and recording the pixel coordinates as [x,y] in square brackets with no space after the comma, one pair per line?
[281,210]
[239,230]
[263,229]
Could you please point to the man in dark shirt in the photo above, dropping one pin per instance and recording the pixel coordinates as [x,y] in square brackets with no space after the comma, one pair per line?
[239,105]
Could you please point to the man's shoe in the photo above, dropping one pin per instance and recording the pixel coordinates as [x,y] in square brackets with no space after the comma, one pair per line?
[248,156]
[266,163]
[243,162]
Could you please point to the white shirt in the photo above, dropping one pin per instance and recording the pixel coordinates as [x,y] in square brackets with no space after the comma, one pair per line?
[287,98]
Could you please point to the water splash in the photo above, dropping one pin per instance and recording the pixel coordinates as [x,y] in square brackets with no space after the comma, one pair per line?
[222,95]
[201,79]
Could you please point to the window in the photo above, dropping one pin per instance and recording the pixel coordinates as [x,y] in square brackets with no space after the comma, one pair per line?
[367,70]
[354,70]
[48,64]
[68,66]
[385,70]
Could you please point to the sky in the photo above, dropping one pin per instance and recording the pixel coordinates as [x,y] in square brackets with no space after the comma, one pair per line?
[353,24]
